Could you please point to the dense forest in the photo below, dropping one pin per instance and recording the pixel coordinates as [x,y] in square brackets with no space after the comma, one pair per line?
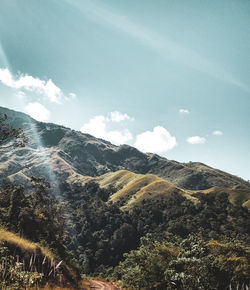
[157,246]
[159,243]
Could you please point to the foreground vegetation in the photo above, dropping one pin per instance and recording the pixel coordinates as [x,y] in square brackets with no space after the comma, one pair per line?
[37,217]
[26,264]
[168,244]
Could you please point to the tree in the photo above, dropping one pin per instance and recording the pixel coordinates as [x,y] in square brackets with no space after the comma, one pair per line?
[9,133]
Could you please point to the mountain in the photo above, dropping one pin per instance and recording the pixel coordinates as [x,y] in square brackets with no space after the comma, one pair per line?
[99,201]
[58,152]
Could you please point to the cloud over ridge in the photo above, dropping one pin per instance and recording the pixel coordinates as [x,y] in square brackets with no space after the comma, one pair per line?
[157,141]
[97,126]
[37,111]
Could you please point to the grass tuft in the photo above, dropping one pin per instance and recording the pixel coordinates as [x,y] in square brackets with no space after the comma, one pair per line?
[23,244]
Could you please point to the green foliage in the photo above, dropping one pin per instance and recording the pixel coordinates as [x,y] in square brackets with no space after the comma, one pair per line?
[214,214]
[19,278]
[39,217]
[191,264]
[36,216]
[13,274]
[144,268]
[99,232]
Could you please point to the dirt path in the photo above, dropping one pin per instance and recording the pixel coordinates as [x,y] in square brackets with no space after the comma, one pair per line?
[96,284]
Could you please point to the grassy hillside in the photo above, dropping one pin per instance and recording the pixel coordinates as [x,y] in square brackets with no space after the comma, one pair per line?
[132,189]
[236,196]
[24,245]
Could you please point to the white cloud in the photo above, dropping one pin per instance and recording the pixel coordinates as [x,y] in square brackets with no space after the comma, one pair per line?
[117,117]
[119,137]
[72,96]
[184,111]
[158,141]
[38,111]
[21,95]
[196,140]
[6,77]
[217,133]
[97,126]
[25,82]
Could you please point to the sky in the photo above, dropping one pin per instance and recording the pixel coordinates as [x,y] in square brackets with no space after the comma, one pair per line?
[165,76]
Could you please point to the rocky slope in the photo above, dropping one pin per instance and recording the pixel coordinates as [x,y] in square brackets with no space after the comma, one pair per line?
[57,152]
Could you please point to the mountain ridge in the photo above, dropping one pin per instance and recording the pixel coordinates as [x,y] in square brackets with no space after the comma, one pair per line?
[67,152]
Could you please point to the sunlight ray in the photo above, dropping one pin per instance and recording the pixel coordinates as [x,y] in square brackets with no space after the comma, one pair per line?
[3,58]
[41,156]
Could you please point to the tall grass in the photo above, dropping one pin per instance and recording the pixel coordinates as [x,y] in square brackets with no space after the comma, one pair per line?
[24,264]
[24,244]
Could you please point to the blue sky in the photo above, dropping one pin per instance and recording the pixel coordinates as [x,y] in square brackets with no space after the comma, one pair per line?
[170,77]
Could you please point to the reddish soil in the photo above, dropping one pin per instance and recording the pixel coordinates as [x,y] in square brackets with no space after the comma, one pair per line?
[96,284]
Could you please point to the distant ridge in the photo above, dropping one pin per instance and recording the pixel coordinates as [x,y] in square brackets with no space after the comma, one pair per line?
[133,189]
